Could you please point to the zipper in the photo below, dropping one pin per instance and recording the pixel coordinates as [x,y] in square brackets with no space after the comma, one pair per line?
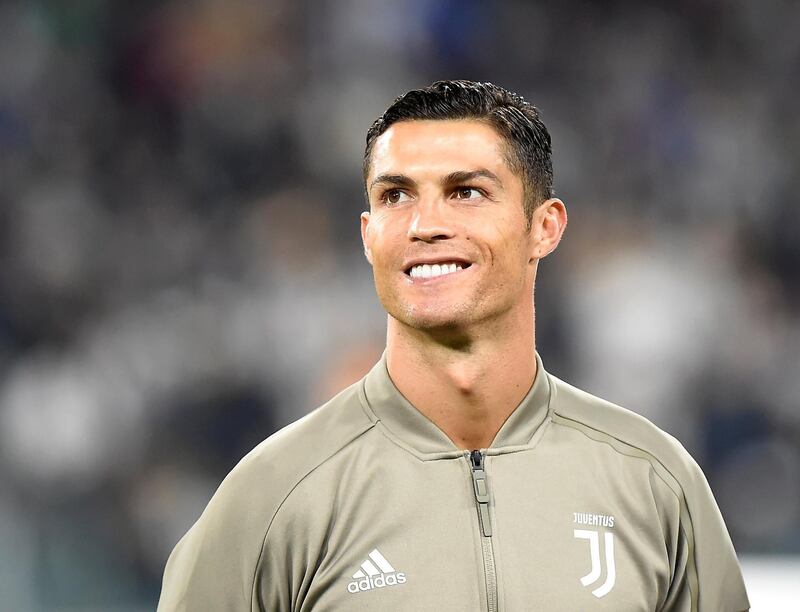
[480,487]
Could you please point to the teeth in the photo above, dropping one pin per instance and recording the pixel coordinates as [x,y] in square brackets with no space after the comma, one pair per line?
[431,271]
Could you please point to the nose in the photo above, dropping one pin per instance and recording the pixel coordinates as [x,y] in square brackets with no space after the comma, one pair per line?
[430,222]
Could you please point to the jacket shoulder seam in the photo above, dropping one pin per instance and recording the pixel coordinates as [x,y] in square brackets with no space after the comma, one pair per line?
[686,523]
[645,454]
[288,494]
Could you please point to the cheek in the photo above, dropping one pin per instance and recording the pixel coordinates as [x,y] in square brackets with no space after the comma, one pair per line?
[507,253]
[387,238]
[385,253]
[498,243]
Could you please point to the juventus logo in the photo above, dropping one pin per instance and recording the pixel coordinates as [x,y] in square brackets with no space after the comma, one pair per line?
[594,550]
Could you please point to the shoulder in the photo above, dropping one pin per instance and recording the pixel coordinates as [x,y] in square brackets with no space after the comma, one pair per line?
[628,433]
[709,575]
[294,452]
[214,564]
[251,495]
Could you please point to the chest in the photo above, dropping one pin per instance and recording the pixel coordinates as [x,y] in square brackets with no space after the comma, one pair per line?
[519,532]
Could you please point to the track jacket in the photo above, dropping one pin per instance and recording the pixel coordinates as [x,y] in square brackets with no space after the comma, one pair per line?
[578,505]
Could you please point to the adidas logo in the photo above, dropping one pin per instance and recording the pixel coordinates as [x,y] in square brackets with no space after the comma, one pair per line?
[376,572]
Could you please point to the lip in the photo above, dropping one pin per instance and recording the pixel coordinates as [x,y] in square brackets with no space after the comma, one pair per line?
[443,278]
[418,261]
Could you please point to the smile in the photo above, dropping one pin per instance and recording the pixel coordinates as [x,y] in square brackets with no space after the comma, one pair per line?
[435,270]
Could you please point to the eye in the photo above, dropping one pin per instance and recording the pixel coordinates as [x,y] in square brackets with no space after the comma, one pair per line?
[394,196]
[467,193]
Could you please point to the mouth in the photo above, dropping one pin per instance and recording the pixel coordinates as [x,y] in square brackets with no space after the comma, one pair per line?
[436,270]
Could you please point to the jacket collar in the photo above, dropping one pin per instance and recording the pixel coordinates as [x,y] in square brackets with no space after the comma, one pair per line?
[384,403]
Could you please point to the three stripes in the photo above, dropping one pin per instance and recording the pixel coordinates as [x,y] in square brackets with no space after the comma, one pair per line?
[368,568]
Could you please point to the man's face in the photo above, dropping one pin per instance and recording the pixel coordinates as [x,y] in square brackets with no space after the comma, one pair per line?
[446,233]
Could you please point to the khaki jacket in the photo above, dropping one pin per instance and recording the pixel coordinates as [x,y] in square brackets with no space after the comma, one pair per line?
[578,505]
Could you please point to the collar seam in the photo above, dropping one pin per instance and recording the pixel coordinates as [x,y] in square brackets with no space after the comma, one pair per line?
[455,453]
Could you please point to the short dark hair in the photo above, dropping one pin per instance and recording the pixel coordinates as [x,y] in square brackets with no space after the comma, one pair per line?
[515,120]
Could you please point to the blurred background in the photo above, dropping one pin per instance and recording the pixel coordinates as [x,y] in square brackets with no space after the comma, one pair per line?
[181,270]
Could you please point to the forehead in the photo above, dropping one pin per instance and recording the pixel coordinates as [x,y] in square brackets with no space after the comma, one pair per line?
[438,147]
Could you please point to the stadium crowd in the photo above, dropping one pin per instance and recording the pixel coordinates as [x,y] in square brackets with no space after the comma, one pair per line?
[181,271]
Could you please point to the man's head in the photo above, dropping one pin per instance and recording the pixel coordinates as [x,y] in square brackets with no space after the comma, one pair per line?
[517,122]
[459,189]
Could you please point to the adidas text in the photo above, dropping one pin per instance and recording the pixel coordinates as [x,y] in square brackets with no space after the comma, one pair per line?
[375,572]
[376,582]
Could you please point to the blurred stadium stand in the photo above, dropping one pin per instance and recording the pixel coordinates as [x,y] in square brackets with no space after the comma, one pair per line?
[181,271]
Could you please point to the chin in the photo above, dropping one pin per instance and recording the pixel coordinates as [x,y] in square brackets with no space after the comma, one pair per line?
[432,319]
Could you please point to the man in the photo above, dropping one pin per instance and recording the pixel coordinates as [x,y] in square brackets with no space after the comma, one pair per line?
[458,474]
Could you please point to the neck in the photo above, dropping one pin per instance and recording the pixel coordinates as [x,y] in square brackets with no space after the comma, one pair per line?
[467,383]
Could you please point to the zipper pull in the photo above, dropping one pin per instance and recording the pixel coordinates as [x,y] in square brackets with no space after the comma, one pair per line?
[481,489]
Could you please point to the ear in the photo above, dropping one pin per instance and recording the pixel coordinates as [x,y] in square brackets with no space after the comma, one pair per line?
[365,236]
[547,227]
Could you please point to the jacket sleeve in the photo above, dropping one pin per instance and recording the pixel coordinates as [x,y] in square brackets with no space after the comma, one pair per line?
[217,565]
[706,576]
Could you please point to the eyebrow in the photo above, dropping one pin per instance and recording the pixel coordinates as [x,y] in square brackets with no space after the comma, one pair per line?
[463,176]
[454,178]
[400,180]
